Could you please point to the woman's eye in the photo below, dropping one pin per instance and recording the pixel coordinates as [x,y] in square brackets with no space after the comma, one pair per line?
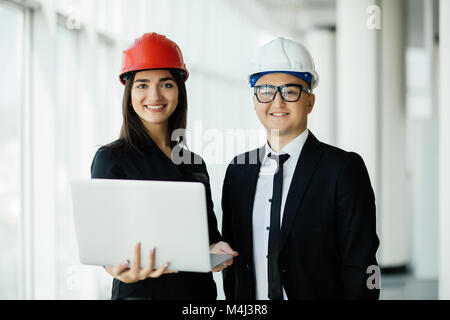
[167,85]
[141,86]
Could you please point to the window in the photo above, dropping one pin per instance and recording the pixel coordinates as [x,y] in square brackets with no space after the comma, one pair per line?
[107,105]
[11,21]
[66,125]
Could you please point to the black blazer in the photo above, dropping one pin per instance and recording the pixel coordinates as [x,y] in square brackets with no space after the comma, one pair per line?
[328,230]
[153,164]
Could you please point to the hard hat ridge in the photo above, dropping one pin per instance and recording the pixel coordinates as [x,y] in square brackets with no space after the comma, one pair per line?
[284,55]
[152,51]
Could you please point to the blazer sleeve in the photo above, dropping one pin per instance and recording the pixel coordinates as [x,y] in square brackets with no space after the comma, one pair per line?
[214,234]
[105,165]
[358,240]
[228,273]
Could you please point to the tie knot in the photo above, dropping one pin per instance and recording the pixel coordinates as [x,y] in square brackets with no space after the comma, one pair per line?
[280,159]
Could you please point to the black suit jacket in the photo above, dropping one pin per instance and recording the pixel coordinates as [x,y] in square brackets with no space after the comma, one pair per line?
[328,232]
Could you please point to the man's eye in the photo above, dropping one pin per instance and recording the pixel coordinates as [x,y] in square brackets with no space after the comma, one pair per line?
[266,91]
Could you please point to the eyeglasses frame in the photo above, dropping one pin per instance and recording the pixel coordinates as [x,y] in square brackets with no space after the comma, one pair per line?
[302,88]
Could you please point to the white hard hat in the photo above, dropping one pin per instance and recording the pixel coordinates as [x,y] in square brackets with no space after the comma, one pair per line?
[283,54]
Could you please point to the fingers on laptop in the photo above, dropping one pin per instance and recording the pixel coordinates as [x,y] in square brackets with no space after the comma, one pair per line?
[228,263]
[117,270]
[170,271]
[218,268]
[222,266]
[148,270]
[136,264]
[222,247]
[158,272]
[135,273]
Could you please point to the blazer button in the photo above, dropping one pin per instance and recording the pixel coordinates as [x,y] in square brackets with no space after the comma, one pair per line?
[247,267]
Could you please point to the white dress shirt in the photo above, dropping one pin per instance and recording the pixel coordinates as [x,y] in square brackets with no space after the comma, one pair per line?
[262,205]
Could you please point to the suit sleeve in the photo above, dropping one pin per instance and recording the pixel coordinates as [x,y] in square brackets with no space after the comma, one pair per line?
[358,240]
[228,273]
[105,165]
[214,234]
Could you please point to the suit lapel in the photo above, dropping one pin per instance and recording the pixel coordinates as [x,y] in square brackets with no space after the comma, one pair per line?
[307,162]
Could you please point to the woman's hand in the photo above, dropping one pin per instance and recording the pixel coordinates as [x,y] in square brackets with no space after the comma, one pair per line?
[222,248]
[136,273]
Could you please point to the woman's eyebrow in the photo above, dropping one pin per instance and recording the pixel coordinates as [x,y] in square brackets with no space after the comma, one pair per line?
[160,80]
[142,80]
[165,79]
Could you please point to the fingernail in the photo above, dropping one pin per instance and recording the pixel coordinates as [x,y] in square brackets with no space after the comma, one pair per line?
[124,263]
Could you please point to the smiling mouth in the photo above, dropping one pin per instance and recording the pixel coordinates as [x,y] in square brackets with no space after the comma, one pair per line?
[155,108]
[279,114]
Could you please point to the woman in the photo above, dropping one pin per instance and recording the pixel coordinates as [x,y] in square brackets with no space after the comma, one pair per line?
[154,106]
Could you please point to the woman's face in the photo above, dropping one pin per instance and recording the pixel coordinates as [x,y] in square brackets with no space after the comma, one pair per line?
[154,96]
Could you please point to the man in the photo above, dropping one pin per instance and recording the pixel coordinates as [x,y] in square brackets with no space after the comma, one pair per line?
[300,213]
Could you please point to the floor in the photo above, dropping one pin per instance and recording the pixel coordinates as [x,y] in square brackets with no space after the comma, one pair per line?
[406,287]
[393,287]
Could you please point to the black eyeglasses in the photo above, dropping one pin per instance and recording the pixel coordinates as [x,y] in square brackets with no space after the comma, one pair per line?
[289,92]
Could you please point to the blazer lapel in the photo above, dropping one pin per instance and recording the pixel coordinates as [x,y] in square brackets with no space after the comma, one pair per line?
[307,162]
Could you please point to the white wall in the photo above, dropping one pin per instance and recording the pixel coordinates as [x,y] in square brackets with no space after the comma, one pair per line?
[444,155]
[322,121]
[422,140]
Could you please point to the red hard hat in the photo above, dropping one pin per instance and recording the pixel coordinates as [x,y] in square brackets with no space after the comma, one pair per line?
[152,51]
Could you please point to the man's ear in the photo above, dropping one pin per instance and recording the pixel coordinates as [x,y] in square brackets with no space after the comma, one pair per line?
[311,102]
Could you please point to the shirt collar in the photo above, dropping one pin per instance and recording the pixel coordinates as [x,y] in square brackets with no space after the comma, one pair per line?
[293,148]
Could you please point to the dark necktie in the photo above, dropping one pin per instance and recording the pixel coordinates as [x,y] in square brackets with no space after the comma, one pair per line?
[275,284]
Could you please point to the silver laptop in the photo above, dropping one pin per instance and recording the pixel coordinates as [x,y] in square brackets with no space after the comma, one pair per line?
[111,216]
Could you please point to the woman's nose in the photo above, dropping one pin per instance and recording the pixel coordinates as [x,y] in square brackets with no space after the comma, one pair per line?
[153,93]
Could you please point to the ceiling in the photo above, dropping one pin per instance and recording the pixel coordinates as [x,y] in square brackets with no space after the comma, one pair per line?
[289,16]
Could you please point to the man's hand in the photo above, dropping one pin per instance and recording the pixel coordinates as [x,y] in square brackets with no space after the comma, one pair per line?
[222,248]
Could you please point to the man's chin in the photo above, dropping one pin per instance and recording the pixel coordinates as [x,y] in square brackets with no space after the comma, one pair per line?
[274,131]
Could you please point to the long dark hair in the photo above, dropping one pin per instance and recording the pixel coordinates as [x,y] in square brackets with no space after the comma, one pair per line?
[133,135]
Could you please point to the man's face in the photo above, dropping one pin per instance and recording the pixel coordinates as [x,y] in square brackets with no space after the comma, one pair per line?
[290,118]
